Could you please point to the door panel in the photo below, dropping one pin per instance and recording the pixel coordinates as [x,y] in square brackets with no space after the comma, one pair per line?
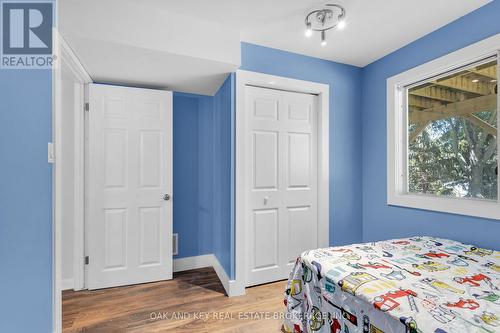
[266,233]
[299,110]
[129,225]
[265,108]
[281,181]
[151,158]
[299,160]
[150,219]
[115,238]
[300,236]
[265,166]
[115,158]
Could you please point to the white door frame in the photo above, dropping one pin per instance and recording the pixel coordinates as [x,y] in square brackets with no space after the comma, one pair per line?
[65,54]
[246,78]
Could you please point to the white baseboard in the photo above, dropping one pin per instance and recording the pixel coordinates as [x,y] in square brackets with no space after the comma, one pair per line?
[231,287]
[67,284]
[187,263]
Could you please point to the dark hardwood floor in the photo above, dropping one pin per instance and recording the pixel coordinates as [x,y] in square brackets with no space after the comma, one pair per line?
[194,301]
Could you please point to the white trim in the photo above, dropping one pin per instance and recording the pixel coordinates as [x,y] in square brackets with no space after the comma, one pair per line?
[195,262]
[231,287]
[67,284]
[69,57]
[79,188]
[84,247]
[64,53]
[209,260]
[397,138]
[56,193]
[244,78]
[67,53]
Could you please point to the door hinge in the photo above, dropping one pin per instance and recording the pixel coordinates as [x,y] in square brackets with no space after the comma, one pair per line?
[87,260]
[175,244]
[51,153]
[87,107]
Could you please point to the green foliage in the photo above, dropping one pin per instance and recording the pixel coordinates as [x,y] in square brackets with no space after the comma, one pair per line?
[454,157]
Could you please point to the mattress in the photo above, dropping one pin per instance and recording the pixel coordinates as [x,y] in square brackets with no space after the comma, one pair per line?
[417,284]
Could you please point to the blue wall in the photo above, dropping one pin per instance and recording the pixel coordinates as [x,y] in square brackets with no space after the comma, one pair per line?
[202,159]
[25,201]
[193,181]
[203,181]
[223,176]
[345,128]
[379,220]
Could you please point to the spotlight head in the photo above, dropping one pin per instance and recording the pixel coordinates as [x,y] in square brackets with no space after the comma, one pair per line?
[309,31]
[323,38]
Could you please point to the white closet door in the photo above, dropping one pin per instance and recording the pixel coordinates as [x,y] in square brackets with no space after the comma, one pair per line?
[129,225]
[281,181]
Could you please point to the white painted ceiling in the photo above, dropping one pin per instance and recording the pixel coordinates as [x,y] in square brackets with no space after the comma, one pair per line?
[144,44]
[374,28]
[191,45]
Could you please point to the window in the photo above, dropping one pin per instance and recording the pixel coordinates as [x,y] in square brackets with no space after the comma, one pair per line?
[442,143]
[452,133]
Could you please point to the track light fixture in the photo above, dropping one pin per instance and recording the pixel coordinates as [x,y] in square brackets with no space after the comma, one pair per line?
[322,19]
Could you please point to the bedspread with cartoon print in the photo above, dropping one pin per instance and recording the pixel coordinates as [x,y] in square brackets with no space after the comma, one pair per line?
[418,284]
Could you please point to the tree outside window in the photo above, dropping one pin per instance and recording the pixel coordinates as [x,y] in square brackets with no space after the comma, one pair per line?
[452,134]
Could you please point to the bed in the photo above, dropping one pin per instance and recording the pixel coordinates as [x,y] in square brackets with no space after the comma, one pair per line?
[417,284]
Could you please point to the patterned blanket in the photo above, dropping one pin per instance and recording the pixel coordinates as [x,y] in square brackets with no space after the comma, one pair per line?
[418,284]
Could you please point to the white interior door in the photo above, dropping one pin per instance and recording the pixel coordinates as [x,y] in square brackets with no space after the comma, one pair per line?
[129,222]
[281,181]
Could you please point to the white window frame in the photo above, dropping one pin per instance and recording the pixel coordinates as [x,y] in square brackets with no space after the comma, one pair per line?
[397,135]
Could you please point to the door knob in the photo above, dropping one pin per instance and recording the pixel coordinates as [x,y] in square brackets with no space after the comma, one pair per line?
[266,199]
[166,197]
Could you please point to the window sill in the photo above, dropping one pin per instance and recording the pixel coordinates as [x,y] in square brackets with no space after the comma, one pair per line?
[461,206]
